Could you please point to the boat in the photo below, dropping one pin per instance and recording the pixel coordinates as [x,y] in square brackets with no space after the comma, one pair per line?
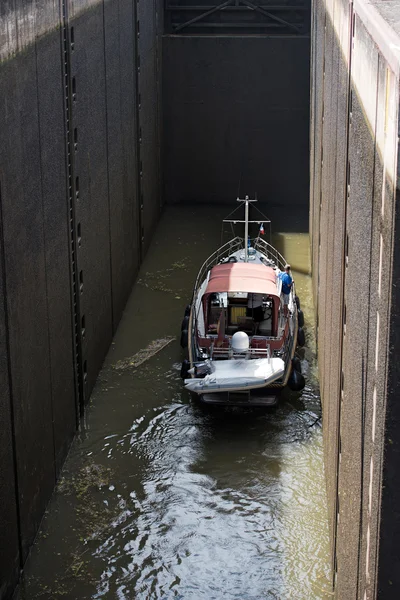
[240,337]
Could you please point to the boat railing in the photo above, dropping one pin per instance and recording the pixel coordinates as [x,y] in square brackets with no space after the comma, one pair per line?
[223,252]
[271,252]
[251,352]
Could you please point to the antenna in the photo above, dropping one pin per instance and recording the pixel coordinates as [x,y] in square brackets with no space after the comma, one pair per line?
[246,200]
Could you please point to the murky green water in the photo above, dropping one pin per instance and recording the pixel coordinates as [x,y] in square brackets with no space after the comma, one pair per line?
[161,498]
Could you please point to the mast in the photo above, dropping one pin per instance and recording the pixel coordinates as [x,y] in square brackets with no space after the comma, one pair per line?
[246,229]
[246,225]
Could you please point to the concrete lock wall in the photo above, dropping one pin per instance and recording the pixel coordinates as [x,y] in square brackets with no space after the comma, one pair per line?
[79,196]
[236,118]
[354,217]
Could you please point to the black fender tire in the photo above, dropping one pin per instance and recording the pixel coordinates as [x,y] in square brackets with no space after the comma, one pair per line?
[187,310]
[184,338]
[300,317]
[185,368]
[185,323]
[296,381]
[297,300]
[296,364]
[232,259]
[301,338]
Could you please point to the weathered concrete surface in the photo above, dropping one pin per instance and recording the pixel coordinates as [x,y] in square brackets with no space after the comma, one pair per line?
[353,210]
[55,216]
[89,117]
[388,584]
[24,246]
[149,23]
[9,538]
[236,118]
[120,50]
[68,110]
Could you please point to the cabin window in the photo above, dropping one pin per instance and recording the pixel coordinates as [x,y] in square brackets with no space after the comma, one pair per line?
[253,315]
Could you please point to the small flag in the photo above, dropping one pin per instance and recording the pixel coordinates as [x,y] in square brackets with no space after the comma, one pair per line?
[262,229]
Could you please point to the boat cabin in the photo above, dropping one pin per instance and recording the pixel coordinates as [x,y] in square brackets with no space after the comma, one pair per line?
[240,297]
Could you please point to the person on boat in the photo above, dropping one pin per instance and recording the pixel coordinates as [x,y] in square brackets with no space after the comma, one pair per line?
[254,307]
[287,282]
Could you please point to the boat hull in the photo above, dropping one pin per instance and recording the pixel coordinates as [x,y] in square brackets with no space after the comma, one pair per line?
[276,337]
[262,398]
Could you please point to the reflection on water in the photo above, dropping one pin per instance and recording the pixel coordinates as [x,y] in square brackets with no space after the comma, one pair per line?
[162,498]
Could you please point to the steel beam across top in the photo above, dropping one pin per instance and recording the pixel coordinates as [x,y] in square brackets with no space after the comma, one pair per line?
[242,17]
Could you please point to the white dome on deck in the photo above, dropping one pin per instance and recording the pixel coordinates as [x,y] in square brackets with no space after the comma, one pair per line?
[240,341]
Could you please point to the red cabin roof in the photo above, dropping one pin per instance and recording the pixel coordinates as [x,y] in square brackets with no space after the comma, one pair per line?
[242,277]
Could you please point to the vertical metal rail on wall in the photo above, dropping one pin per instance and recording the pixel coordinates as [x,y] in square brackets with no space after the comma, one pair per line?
[136,31]
[67,41]
[312,129]
[321,155]
[158,30]
[343,303]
